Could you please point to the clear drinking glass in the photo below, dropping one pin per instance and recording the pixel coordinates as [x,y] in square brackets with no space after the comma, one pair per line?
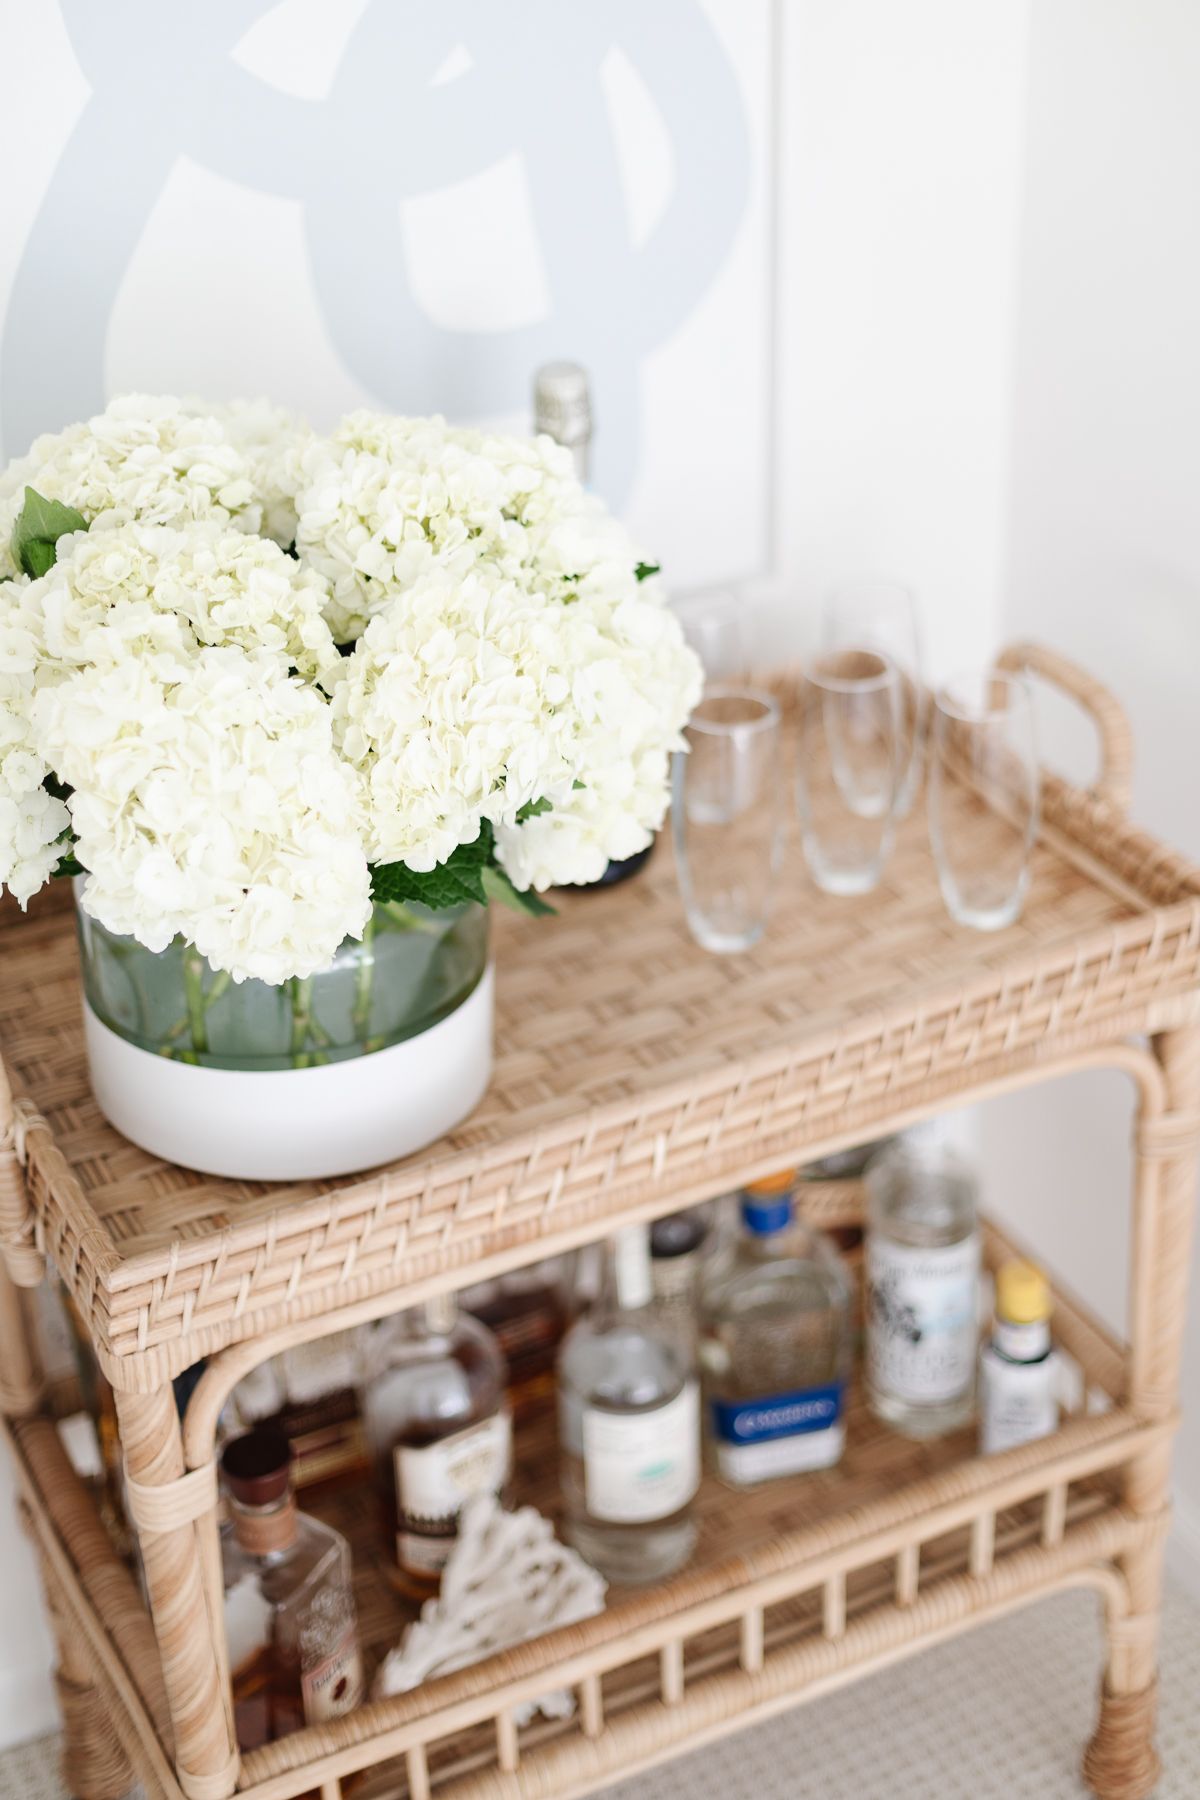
[984,791]
[715,626]
[881,615]
[849,767]
[726,816]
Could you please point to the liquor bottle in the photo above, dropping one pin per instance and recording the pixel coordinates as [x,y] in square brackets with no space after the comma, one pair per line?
[922,1262]
[629,1426]
[562,409]
[289,1606]
[527,1312]
[439,1429]
[775,1343]
[678,1247]
[311,1393]
[1018,1370]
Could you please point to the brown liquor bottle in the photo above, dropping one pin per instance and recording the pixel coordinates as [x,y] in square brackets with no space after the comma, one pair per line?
[440,1431]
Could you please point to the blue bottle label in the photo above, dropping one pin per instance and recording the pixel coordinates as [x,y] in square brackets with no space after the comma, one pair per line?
[779,1434]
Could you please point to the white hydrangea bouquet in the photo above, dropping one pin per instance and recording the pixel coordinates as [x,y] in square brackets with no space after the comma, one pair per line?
[274,695]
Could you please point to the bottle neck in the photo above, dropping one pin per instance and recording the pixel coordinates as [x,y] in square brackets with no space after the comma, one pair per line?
[1021,1343]
[266,1530]
[628,1284]
[439,1314]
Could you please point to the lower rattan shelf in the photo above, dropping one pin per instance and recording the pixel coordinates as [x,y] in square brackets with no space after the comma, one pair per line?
[796,1588]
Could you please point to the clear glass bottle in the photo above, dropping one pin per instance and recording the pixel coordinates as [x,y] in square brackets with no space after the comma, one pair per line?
[1018,1370]
[922,1264]
[439,1428]
[289,1605]
[629,1426]
[775,1343]
[527,1311]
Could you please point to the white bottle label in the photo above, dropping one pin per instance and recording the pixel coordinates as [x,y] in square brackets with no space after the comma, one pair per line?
[434,1483]
[922,1330]
[638,1467]
[1018,1402]
[334,1685]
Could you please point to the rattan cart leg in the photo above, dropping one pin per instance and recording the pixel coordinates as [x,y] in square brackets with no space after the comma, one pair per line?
[94,1766]
[1121,1762]
[166,1503]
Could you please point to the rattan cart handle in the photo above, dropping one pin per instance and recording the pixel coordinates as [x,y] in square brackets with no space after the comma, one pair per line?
[1114,782]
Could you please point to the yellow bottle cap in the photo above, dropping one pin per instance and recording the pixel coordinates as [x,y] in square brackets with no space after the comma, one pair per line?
[774,1184]
[1022,1294]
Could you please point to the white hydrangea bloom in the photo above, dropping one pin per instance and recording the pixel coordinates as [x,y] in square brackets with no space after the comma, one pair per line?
[272,439]
[144,457]
[135,589]
[450,710]
[31,819]
[209,802]
[385,498]
[468,697]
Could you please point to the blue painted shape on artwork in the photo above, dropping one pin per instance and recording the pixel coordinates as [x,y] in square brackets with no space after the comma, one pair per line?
[164,85]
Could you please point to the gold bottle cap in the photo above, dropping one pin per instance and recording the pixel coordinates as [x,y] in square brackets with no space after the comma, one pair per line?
[1023,1294]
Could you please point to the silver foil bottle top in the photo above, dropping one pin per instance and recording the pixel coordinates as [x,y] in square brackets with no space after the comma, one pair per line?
[562,404]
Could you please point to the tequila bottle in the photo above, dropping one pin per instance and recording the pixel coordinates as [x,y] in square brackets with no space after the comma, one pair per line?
[775,1343]
[289,1607]
[629,1426]
[439,1428]
[922,1285]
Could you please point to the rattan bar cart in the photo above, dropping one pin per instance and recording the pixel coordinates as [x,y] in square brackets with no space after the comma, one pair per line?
[634,1074]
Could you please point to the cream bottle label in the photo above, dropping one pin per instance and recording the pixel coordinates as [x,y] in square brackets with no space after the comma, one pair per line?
[433,1484]
[642,1466]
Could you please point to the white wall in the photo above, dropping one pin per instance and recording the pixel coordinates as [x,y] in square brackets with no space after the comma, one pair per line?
[826,387]
[1103,544]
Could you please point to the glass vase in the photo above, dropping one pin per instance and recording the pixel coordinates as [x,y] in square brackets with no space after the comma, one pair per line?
[365,1061]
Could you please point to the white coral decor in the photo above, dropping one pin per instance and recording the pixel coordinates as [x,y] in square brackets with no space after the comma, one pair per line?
[508,1579]
[456,671]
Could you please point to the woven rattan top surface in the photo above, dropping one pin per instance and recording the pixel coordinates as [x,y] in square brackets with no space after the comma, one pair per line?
[633,1070]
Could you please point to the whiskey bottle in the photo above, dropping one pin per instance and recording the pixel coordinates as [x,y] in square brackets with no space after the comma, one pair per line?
[311,1393]
[775,1343]
[527,1311]
[289,1607]
[439,1429]
[629,1426]
[922,1265]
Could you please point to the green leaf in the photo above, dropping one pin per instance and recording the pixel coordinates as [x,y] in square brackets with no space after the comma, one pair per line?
[40,524]
[458,879]
[644,571]
[533,809]
[497,886]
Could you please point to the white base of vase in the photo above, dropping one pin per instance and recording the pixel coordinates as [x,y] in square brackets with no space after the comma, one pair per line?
[297,1124]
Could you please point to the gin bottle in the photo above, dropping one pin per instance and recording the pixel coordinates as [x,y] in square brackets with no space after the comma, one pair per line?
[629,1426]
[289,1608]
[439,1428]
[922,1265]
[775,1343]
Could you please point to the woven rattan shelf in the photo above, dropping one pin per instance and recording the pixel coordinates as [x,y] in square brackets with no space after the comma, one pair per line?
[634,1073]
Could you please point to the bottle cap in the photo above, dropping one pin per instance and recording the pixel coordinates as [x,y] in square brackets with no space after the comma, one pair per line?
[677,1235]
[562,404]
[1022,1294]
[762,1217]
[771,1185]
[258,1466]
